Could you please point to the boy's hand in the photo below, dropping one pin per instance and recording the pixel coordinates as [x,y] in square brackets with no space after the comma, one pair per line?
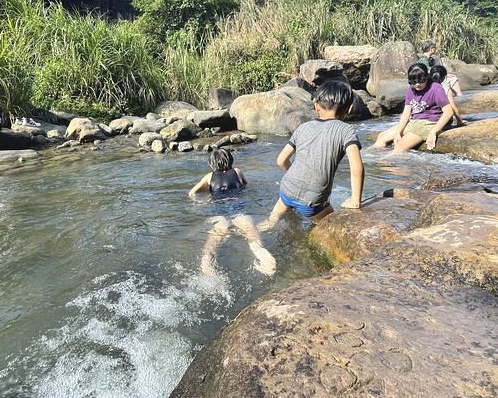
[350,204]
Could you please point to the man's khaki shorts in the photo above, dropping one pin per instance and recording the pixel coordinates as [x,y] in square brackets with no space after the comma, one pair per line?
[421,128]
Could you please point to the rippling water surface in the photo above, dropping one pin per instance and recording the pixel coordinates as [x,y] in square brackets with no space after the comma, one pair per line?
[101,292]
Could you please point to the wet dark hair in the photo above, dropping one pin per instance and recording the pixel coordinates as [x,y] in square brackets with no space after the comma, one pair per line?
[427,45]
[334,94]
[221,159]
[438,73]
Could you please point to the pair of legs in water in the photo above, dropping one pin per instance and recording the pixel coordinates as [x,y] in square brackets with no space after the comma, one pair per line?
[266,262]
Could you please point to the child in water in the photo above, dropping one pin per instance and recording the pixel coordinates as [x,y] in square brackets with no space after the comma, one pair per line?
[223,179]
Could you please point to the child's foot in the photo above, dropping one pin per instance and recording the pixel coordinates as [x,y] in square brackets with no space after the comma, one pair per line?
[266,262]
[208,264]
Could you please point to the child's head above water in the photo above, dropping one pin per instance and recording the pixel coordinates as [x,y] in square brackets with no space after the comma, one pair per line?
[221,159]
[334,95]
[438,73]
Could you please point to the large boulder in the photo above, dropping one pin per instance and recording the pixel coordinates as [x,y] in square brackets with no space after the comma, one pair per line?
[301,83]
[391,61]
[215,118]
[277,112]
[365,107]
[318,71]
[391,94]
[85,130]
[178,109]
[486,101]
[374,107]
[181,130]
[355,61]
[471,76]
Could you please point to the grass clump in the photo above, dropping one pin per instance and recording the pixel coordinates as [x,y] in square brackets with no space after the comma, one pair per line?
[76,63]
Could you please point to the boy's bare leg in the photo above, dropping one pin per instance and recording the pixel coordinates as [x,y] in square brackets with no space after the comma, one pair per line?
[215,236]
[385,138]
[407,142]
[267,263]
[278,210]
[325,212]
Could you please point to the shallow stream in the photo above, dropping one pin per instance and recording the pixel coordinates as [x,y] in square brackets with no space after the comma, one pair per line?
[101,293]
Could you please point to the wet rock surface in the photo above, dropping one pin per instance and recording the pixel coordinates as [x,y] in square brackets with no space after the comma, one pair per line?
[363,331]
[413,315]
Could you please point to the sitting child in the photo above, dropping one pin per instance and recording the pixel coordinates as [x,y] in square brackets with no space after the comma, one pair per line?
[319,146]
[426,113]
[222,179]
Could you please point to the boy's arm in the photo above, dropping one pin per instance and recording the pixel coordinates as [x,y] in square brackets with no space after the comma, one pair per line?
[202,185]
[283,160]
[357,177]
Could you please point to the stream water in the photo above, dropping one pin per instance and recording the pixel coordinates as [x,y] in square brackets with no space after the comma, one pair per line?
[101,293]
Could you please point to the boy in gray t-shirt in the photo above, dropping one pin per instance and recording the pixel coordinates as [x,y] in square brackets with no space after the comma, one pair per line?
[319,146]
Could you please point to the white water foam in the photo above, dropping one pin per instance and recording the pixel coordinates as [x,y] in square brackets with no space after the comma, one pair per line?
[124,341]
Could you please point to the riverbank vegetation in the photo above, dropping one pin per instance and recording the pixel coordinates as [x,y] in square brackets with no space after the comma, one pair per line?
[179,49]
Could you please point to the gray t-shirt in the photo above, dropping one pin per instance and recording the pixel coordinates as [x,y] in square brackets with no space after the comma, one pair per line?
[320,146]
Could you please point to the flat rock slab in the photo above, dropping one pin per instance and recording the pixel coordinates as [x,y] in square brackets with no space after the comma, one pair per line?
[367,330]
[10,155]
[486,101]
[460,228]
[476,141]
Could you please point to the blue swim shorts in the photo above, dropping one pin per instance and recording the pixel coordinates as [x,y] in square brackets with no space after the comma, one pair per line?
[303,209]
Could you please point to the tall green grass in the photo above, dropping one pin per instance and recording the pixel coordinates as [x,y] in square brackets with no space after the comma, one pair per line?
[75,63]
[458,33]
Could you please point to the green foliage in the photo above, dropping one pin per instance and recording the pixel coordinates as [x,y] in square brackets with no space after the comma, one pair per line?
[261,47]
[73,63]
[161,18]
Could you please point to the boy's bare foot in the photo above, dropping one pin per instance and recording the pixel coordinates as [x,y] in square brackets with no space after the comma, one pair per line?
[266,262]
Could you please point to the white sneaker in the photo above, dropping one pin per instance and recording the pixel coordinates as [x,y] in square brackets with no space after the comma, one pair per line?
[24,121]
[18,121]
[33,123]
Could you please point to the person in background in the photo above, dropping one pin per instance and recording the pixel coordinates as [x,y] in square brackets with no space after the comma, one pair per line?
[428,57]
[439,75]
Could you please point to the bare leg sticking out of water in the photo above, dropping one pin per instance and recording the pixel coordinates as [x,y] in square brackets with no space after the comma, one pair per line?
[267,263]
[215,237]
